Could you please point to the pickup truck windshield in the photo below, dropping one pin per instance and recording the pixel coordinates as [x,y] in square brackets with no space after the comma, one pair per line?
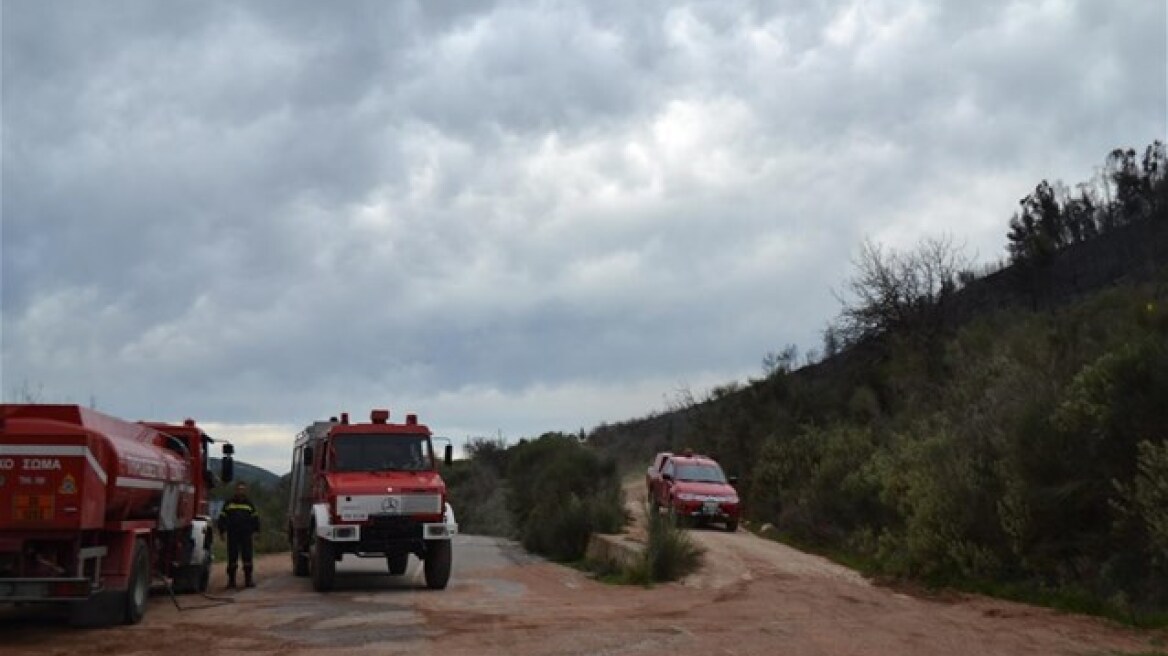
[700,473]
[381,452]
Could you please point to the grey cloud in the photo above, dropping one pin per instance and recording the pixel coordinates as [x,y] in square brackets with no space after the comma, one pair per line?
[250,212]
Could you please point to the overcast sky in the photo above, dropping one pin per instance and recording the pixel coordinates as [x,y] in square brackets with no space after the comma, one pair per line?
[508,217]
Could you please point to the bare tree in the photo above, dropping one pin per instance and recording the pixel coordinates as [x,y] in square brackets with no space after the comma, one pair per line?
[780,362]
[894,290]
[27,392]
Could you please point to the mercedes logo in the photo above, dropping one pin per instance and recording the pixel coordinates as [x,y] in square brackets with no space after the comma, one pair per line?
[390,504]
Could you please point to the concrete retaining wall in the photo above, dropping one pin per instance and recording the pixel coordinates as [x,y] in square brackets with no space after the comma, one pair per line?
[618,549]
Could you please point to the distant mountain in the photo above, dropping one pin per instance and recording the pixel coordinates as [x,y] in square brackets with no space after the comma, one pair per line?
[250,474]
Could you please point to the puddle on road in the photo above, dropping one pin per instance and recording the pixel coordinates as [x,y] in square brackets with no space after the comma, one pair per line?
[395,618]
[349,623]
[503,588]
[369,609]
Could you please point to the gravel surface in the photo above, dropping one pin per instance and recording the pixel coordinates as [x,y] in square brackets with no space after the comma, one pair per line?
[752,597]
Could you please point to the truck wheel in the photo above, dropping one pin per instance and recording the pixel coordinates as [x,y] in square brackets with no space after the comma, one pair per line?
[731,525]
[299,554]
[323,564]
[203,578]
[192,578]
[299,562]
[300,565]
[139,589]
[397,564]
[437,565]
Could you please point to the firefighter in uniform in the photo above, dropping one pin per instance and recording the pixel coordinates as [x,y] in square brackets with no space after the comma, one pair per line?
[239,521]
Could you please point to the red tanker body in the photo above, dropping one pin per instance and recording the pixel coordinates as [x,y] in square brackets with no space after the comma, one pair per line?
[92,508]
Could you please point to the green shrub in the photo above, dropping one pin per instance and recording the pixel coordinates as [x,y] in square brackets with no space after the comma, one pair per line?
[1145,499]
[478,495]
[812,484]
[670,553]
[559,493]
[558,528]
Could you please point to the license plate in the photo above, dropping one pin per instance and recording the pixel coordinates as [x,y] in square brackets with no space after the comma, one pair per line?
[32,507]
[710,508]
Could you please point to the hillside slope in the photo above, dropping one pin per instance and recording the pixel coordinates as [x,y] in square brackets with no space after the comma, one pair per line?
[1023,452]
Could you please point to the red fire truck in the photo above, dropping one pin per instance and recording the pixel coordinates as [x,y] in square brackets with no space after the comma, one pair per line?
[94,509]
[371,490]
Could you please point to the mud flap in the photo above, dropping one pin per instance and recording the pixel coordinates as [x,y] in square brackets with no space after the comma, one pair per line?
[102,609]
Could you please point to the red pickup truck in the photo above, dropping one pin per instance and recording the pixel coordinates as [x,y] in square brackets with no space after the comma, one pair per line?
[692,487]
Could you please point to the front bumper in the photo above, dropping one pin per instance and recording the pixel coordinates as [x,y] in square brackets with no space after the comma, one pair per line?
[45,589]
[385,530]
[718,511]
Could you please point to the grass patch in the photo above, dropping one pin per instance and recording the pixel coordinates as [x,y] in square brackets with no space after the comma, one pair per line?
[1065,599]
[669,554]
[1070,600]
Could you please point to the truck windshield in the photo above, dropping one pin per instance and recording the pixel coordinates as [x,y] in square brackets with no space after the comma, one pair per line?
[700,473]
[381,452]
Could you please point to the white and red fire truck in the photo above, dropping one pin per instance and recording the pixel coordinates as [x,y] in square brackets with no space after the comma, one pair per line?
[370,490]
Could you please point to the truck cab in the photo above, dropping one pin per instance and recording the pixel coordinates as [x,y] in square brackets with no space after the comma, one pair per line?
[371,490]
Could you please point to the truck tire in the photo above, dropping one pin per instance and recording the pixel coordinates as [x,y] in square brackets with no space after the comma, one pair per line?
[439,556]
[203,579]
[192,578]
[397,564]
[323,563]
[138,591]
[299,562]
[731,525]
[299,554]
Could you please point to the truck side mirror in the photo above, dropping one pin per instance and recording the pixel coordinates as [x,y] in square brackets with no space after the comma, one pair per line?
[227,464]
[307,462]
[448,454]
[733,480]
[667,477]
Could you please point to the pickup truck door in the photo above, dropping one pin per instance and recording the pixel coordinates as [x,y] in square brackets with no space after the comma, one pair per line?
[666,483]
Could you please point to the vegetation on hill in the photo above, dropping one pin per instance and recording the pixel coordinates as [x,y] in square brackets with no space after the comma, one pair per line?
[1127,190]
[551,493]
[1006,432]
[250,474]
[269,492]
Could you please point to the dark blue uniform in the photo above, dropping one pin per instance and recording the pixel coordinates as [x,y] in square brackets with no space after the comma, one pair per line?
[239,521]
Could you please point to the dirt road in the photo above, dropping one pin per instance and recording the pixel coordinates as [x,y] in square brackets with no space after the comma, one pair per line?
[753,597]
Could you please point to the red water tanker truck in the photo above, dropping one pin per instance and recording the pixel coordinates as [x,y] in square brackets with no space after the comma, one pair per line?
[94,509]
